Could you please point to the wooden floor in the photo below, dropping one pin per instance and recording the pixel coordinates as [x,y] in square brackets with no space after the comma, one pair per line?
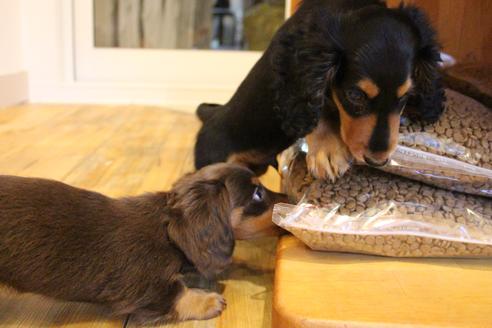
[121,150]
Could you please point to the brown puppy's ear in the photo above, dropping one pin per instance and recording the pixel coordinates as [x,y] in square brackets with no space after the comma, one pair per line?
[428,95]
[204,232]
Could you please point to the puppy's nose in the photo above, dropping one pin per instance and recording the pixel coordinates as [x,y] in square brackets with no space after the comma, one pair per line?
[375,162]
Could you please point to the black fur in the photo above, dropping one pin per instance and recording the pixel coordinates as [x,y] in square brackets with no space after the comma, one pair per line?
[320,49]
[428,96]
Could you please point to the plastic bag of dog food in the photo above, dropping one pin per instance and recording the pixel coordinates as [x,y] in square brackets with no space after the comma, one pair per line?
[440,171]
[463,132]
[453,153]
[372,212]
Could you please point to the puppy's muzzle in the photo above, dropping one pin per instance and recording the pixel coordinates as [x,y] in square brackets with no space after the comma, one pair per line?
[375,162]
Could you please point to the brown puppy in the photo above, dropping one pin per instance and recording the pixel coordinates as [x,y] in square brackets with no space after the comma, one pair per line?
[129,253]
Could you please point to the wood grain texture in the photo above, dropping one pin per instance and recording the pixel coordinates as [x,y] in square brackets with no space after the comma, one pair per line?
[464,27]
[321,289]
[163,24]
[152,23]
[122,150]
[35,311]
[105,23]
[128,29]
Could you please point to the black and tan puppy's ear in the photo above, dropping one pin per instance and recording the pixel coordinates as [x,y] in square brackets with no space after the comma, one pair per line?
[305,60]
[428,95]
[203,231]
[206,111]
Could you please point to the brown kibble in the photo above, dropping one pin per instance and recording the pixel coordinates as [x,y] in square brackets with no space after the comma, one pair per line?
[396,244]
[458,212]
[439,129]
[463,132]
[379,240]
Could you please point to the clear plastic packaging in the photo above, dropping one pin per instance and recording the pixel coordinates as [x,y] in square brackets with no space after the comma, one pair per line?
[463,131]
[453,153]
[372,212]
[440,171]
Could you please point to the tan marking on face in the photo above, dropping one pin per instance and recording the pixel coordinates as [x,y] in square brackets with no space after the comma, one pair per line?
[255,181]
[394,127]
[369,87]
[355,132]
[403,89]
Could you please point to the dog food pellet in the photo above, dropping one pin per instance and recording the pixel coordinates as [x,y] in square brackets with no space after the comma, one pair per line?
[411,200]
[463,132]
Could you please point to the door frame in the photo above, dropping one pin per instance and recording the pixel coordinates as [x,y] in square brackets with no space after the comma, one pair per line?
[178,78]
[53,60]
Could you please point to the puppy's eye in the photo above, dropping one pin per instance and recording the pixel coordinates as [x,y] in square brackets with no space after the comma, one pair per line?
[355,96]
[258,194]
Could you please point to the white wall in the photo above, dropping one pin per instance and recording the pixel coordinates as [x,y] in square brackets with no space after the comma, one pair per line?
[43,40]
[10,37]
[13,78]
[64,67]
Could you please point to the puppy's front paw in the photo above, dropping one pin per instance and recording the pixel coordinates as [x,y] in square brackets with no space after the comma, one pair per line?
[328,162]
[197,304]
[214,305]
[328,157]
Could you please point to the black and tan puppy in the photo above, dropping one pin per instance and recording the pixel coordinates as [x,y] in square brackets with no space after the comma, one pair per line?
[129,253]
[338,72]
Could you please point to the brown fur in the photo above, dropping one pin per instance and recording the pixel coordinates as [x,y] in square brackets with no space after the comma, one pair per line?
[257,160]
[127,253]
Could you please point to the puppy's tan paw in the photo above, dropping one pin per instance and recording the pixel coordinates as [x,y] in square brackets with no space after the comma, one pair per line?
[328,157]
[196,304]
[330,162]
[214,305]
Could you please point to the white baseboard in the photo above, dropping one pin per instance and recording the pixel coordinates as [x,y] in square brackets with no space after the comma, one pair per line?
[176,97]
[13,89]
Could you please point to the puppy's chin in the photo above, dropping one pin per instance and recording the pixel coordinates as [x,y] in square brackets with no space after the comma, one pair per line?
[360,150]
[356,150]
[254,227]
[358,160]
